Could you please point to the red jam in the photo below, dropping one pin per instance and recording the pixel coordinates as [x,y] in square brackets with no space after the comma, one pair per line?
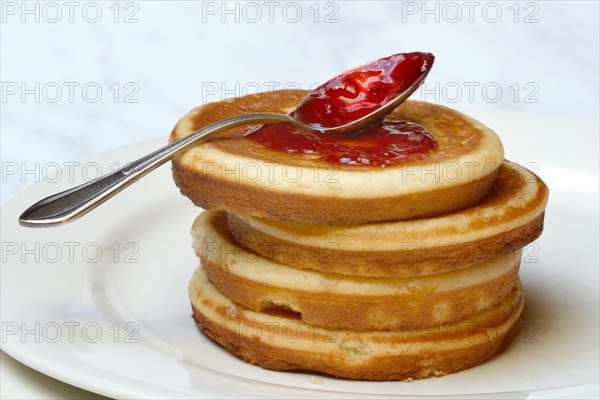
[389,143]
[358,92]
[347,98]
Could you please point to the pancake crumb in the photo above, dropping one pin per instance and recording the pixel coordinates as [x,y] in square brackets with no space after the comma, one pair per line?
[313,380]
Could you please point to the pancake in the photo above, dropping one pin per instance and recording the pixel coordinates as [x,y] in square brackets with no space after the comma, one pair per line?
[510,217]
[280,342]
[342,301]
[233,173]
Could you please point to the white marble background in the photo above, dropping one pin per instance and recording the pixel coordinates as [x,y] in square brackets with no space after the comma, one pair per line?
[154,60]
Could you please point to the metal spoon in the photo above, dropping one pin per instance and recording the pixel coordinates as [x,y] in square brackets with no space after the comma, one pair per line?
[71,204]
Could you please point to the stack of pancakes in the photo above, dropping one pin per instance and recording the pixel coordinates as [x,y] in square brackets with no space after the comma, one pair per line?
[360,272]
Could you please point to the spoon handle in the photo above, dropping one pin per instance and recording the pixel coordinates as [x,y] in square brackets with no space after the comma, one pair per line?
[73,203]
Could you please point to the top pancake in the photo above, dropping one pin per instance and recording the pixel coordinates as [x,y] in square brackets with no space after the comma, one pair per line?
[243,177]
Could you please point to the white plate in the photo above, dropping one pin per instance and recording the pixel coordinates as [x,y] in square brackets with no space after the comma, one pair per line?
[62,302]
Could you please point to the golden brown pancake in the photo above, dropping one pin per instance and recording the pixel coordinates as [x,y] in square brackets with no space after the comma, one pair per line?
[233,173]
[362,272]
[510,217]
[345,301]
[281,342]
